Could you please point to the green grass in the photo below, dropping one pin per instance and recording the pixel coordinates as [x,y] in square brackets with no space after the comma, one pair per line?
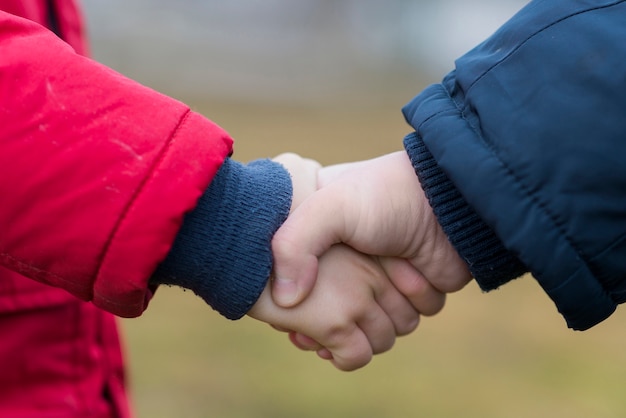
[503,354]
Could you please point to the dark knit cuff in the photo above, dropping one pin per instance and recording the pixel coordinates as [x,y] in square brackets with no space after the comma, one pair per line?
[223,251]
[489,261]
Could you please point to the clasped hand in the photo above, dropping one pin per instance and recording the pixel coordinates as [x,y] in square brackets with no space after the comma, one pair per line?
[359,260]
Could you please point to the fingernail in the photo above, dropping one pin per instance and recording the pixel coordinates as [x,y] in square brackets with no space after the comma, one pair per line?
[285,291]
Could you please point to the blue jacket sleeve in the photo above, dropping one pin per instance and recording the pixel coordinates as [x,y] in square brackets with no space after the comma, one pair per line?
[222,252]
[530,129]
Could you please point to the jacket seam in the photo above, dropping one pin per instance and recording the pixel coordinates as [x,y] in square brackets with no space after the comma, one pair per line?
[537,33]
[30,267]
[610,247]
[132,201]
[109,241]
[434,115]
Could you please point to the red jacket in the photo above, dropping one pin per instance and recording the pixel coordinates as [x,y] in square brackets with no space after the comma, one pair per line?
[97,173]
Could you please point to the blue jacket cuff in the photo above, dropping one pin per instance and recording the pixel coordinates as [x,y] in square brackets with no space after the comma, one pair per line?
[223,250]
[491,264]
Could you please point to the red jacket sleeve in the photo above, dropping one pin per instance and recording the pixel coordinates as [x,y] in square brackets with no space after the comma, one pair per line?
[96,171]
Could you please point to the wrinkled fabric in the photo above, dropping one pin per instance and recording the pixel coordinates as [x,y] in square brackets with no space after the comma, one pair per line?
[97,175]
[530,128]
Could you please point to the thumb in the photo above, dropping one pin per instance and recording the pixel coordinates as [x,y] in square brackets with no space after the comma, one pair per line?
[310,230]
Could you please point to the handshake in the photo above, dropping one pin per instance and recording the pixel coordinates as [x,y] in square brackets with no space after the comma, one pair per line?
[359,259]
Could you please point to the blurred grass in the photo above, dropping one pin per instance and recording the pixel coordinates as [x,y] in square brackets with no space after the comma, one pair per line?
[503,354]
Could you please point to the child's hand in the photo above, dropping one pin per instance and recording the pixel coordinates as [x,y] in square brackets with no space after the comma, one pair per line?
[377,207]
[336,265]
[352,313]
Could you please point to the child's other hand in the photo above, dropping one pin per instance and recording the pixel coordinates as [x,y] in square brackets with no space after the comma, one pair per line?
[352,313]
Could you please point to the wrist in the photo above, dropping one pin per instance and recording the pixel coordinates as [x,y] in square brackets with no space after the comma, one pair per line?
[490,263]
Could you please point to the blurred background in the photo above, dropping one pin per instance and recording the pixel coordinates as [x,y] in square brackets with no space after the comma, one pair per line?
[327,79]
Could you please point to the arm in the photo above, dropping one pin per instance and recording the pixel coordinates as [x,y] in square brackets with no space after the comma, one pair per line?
[222,251]
[98,173]
[527,129]
[519,154]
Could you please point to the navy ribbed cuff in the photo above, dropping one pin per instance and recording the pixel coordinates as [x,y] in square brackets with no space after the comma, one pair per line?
[489,261]
[223,250]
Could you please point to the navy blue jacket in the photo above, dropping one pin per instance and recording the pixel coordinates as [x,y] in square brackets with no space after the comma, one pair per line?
[522,152]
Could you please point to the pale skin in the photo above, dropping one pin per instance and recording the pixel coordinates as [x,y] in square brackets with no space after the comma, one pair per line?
[378,208]
[354,311]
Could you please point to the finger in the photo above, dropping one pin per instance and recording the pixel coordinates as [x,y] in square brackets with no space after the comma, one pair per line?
[303,342]
[352,352]
[424,297]
[325,354]
[378,329]
[306,234]
[404,316]
[344,340]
